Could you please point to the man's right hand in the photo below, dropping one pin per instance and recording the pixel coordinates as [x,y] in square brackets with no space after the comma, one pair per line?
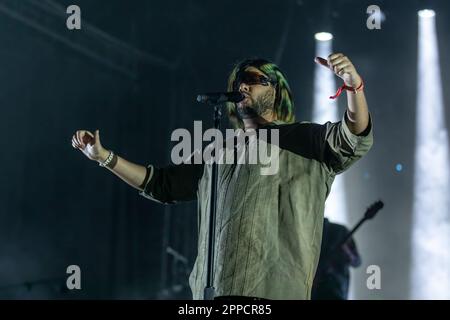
[90,145]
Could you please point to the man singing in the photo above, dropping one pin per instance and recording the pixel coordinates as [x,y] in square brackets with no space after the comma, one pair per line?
[268,227]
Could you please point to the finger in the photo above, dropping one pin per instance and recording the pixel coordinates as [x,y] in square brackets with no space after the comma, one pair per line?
[79,141]
[97,136]
[338,60]
[74,142]
[334,56]
[338,68]
[321,61]
[82,137]
[344,71]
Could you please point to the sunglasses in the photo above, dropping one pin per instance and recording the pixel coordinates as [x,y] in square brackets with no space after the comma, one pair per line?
[251,78]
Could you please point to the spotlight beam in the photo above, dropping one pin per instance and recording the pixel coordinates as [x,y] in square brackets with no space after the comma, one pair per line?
[325,109]
[430,276]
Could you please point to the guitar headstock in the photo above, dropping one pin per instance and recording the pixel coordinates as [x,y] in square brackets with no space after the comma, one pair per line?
[373,209]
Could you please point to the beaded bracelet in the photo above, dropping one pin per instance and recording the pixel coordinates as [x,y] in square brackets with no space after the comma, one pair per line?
[108,160]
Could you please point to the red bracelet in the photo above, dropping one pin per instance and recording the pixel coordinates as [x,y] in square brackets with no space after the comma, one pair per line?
[348,88]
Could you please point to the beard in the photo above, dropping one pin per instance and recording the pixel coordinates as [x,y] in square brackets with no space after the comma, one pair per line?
[262,104]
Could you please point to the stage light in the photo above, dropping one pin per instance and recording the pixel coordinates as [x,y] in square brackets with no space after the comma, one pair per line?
[323,36]
[430,275]
[426,13]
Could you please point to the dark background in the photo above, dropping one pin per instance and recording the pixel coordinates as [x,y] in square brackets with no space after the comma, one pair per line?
[133,72]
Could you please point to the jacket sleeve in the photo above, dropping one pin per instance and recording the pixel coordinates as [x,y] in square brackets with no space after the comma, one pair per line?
[174,183]
[342,148]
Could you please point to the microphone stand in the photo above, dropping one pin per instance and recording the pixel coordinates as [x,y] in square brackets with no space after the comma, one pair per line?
[216,100]
[209,291]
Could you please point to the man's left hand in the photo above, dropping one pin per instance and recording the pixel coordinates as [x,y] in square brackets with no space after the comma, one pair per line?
[342,67]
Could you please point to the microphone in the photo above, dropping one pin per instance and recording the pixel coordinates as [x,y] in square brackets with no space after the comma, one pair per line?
[220,97]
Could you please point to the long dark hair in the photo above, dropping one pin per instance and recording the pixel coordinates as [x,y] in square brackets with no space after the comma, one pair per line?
[284,104]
